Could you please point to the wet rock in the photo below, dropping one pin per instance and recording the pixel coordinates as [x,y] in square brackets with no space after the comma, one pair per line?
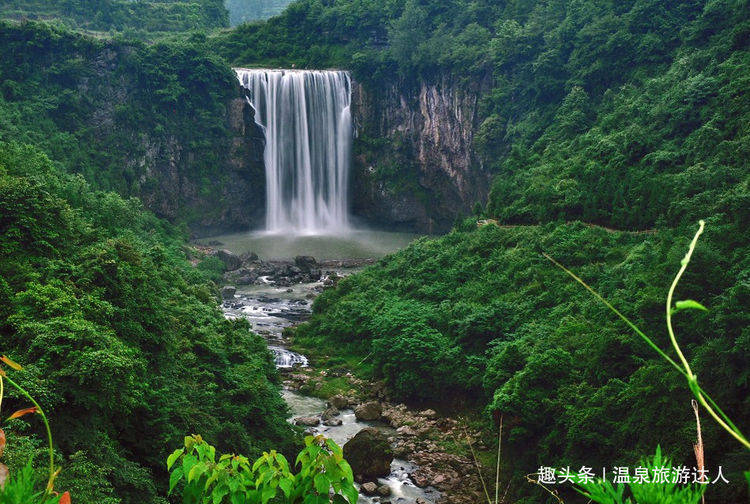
[384,490]
[309,421]
[231,261]
[420,500]
[249,257]
[330,413]
[333,422]
[241,276]
[227,292]
[305,263]
[331,279]
[338,401]
[371,410]
[369,488]
[369,453]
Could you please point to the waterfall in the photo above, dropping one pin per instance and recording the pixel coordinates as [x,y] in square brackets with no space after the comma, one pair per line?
[286,358]
[308,127]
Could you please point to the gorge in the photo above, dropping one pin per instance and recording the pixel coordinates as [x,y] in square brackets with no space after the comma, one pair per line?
[204,226]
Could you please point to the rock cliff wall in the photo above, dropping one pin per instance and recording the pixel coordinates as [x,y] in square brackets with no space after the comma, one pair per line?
[232,198]
[198,163]
[415,166]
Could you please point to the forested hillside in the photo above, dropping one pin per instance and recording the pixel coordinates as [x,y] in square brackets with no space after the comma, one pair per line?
[624,114]
[608,129]
[165,122]
[243,11]
[121,338]
[479,319]
[140,18]
[628,115]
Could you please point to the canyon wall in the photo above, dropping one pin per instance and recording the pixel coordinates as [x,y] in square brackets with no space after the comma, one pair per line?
[415,166]
[230,198]
[201,167]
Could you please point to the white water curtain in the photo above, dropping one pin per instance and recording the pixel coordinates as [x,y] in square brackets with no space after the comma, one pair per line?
[308,127]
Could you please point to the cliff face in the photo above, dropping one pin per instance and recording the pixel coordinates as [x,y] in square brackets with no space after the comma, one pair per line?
[213,179]
[421,173]
[231,199]
[167,124]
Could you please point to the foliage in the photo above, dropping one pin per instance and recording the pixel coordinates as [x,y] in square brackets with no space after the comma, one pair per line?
[123,114]
[323,471]
[242,11]
[683,367]
[23,487]
[662,492]
[624,114]
[500,328]
[125,350]
[141,18]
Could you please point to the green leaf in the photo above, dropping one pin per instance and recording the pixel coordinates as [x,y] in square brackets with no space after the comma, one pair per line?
[267,494]
[322,484]
[286,486]
[196,472]
[218,494]
[688,304]
[350,492]
[173,458]
[175,478]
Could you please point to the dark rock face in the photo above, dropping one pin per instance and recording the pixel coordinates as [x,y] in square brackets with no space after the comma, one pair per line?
[371,410]
[369,454]
[233,202]
[427,173]
[230,260]
[164,167]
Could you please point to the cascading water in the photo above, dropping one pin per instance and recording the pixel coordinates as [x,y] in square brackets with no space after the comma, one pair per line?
[308,126]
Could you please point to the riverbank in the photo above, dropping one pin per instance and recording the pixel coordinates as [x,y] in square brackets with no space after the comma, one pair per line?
[432,464]
[436,446]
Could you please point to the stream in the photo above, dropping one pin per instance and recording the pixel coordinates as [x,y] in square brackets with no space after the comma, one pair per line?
[270,309]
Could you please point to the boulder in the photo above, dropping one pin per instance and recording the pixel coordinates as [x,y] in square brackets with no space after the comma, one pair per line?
[333,422]
[428,413]
[249,257]
[338,401]
[305,263]
[309,421]
[227,292]
[384,490]
[371,410]
[231,261]
[369,453]
[369,488]
[245,280]
[329,413]
[405,430]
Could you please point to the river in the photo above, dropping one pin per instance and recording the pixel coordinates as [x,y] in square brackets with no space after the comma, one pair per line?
[270,309]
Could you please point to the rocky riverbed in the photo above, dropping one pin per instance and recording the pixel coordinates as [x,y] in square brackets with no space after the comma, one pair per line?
[401,455]
[423,438]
